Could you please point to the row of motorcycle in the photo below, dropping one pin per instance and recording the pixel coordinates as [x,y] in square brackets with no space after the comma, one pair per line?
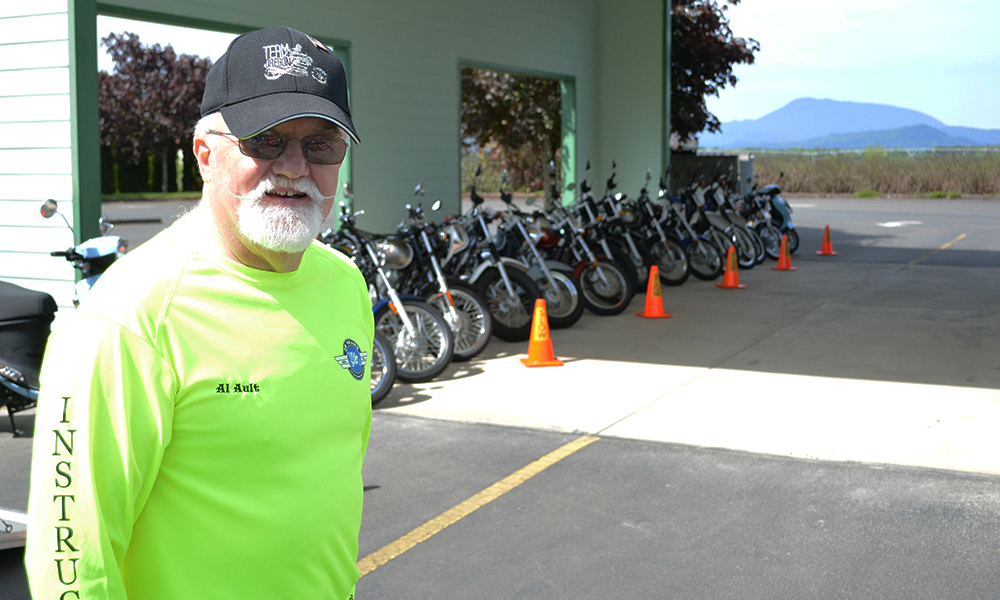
[439,291]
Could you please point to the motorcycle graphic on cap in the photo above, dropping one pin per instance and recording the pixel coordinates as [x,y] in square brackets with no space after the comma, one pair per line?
[281,60]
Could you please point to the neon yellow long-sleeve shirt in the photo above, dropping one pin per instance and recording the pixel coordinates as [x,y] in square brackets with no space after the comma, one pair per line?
[201,430]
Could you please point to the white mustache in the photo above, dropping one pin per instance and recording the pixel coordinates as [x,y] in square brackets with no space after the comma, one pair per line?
[270,181]
[277,227]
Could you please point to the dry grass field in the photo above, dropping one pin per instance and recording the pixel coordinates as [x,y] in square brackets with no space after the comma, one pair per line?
[876,171]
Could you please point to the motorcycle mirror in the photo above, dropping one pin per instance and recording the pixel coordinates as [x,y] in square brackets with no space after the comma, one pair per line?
[587,168]
[49,208]
[436,205]
[348,193]
[479,170]
[419,190]
[614,165]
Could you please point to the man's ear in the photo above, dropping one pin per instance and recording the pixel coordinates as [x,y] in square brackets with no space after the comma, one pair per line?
[202,152]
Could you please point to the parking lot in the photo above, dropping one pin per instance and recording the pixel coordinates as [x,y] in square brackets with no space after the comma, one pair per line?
[823,433]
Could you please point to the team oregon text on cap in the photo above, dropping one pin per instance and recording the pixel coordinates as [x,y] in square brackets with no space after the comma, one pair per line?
[270,76]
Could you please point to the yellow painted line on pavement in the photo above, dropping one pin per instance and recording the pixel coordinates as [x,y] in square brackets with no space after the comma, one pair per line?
[945,247]
[460,511]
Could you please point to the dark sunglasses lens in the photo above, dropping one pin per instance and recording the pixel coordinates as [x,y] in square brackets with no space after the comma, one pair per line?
[320,150]
[324,150]
[265,146]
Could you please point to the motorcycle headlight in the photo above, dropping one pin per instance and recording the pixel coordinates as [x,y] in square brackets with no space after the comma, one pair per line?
[454,236]
[394,253]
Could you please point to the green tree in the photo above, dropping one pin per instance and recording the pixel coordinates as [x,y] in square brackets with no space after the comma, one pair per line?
[515,117]
[703,52]
[150,102]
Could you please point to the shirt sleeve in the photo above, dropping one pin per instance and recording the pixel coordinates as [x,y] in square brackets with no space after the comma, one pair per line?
[104,418]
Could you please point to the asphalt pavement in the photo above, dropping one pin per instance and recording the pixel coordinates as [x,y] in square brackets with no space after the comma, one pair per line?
[823,433]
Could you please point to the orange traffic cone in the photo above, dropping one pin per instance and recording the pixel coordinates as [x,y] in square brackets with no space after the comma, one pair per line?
[654,296]
[731,279]
[784,259]
[540,346]
[827,248]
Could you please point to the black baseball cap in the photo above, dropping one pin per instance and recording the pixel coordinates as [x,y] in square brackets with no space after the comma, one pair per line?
[270,76]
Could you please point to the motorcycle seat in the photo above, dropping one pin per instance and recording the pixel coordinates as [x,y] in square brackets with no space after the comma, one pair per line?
[18,303]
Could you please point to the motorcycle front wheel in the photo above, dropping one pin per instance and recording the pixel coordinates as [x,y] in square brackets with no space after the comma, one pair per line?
[705,259]
[471,324]
[606,289]
[511,315]
[671,261]
[758,244]
[421,354]
[771,238]
[793,240]
[563,305]
[383,367]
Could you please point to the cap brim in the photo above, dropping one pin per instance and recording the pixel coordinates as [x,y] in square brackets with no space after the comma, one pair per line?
[250,117]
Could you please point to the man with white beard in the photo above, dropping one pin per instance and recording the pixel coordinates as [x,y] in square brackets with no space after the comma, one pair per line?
[204,416]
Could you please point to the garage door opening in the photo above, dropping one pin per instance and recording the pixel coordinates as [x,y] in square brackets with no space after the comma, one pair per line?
[521,125]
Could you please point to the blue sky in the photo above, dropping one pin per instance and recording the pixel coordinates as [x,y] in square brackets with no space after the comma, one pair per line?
[940,57]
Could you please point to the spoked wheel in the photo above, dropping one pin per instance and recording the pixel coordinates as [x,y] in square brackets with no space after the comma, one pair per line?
[671,261]
[641,260]
[745,256]
[705,259]
[606,289]
[563,305]
[470,323]
[511,315]
[745,249]
[771,238]
[383,367]
[423,353]
[621,258]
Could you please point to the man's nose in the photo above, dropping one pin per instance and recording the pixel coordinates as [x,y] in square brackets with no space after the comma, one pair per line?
[292,163]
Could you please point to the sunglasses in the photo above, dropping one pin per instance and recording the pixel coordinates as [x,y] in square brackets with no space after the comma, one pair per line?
[270,145]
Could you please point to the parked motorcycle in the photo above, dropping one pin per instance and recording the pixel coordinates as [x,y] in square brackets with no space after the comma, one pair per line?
[666,249]
[26,315]
[510,292]
[462,305]
[520,233]
[605,285]
[382,367]
[772,216]
[420,337]
[704,257]
[93,257]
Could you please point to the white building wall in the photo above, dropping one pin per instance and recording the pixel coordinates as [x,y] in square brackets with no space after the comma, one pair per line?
[632,109]
[404,63]
[404,59]
[35,145]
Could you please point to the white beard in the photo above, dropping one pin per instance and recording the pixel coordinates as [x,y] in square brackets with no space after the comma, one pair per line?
[287,229]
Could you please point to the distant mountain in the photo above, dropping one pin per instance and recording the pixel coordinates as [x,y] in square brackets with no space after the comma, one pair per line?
[914,136]
[814,123]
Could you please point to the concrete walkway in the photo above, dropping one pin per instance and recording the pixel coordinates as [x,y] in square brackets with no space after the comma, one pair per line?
[886,353]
